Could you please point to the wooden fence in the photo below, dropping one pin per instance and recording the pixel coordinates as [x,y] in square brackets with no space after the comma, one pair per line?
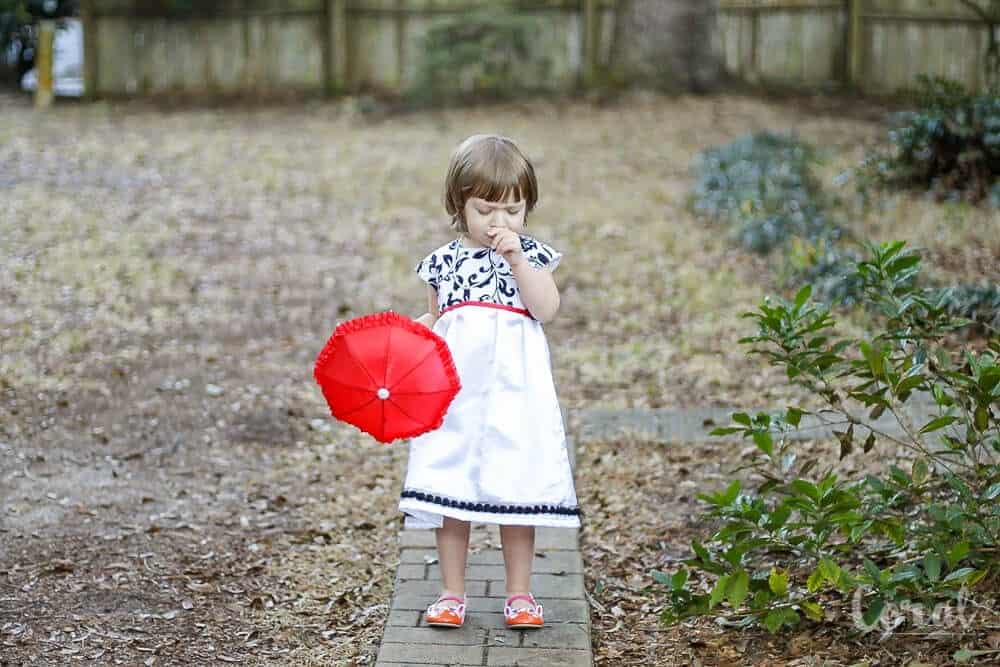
[879,46]
[322,46]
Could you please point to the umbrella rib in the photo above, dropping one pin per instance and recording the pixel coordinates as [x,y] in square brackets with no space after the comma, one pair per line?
[360,407]
[345,385]
[347,342]
[420,393]
[388,346]
[419,421]
[415,366]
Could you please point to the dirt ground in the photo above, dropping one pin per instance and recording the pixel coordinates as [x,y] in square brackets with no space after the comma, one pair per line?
[172,490]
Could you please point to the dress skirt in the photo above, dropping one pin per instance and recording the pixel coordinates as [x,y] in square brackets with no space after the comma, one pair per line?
[500,456]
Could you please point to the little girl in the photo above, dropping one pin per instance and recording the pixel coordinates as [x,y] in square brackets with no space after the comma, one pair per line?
[500,455]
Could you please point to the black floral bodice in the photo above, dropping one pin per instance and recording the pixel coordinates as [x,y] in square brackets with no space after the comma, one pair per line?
[461,273]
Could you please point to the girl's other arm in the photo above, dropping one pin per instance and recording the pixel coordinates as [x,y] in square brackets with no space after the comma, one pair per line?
[429,318]
[538,290]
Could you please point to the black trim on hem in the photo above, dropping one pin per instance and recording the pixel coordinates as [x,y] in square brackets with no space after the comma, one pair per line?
[490,507]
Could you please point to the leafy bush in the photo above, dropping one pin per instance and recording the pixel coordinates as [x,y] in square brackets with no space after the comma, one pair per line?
[829,267]
[924,529]
[762,185]
[13,20]
[492,54]
[977,303]
[949,145]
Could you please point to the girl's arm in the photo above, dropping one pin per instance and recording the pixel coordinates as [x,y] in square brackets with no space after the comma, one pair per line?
[429,318]
[538,290]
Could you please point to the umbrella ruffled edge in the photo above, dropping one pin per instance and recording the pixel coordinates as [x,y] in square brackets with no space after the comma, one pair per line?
[391,317]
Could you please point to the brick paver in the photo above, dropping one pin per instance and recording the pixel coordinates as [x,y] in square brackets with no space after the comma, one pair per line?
[557,582]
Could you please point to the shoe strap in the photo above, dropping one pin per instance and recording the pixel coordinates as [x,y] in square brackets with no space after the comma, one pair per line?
[522,596]
[535,608]
[450,597]
[436,607]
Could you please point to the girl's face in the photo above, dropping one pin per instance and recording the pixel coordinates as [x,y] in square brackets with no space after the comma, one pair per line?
[481,215]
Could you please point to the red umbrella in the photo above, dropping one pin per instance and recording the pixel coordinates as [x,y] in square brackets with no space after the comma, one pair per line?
[388,375]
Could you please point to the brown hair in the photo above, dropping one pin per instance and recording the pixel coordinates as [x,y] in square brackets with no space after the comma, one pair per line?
[488,166]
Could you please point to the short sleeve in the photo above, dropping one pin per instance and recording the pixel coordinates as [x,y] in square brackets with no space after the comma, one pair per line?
[540,255]
[428,269]
[431,267]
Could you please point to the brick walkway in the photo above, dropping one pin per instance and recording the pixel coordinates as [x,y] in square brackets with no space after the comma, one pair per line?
[557,582]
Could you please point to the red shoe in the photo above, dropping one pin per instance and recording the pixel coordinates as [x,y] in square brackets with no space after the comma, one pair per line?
[523,618]
[443,616]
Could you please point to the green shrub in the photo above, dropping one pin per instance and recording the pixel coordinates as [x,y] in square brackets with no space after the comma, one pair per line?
[920,528]
[763,186]
[949,145]
[828,266]
[978,303]
[482,55]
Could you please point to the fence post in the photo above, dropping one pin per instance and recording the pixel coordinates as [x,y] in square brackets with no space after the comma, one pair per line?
[854,46]
[590,37]
[89,21]
[400,28]
[337,76]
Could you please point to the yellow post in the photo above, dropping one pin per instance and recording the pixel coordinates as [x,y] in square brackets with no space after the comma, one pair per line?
[43,64]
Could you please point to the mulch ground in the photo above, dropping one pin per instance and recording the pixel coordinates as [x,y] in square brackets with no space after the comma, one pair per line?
[172,490]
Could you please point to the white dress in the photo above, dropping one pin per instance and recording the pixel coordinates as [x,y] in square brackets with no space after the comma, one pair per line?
[500,455]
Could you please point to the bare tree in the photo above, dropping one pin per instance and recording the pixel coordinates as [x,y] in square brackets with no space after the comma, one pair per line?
[670,44]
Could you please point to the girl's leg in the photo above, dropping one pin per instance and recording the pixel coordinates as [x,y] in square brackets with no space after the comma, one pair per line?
[518,557]
[453,549]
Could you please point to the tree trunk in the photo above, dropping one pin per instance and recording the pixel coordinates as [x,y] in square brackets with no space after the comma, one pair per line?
[668,44]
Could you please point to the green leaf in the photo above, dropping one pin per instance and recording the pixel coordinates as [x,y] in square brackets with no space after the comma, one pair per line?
[965,655]
[778,581]
[793,416]
[932,567]
[701,552]
[742,418]
[872,569]
[680,578]
[806,488]
[802,296]
[940,397]
[957,552]
[830,570]
[719,591]
[938,423]
[815,581]
[902,264]
[737,589]
[731,492]
[982,418]
[960,573]
[908,384]
[764,441]
[726,430]
[779,516]
[874,610]
[813,610]
[992,492]
[779,617]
